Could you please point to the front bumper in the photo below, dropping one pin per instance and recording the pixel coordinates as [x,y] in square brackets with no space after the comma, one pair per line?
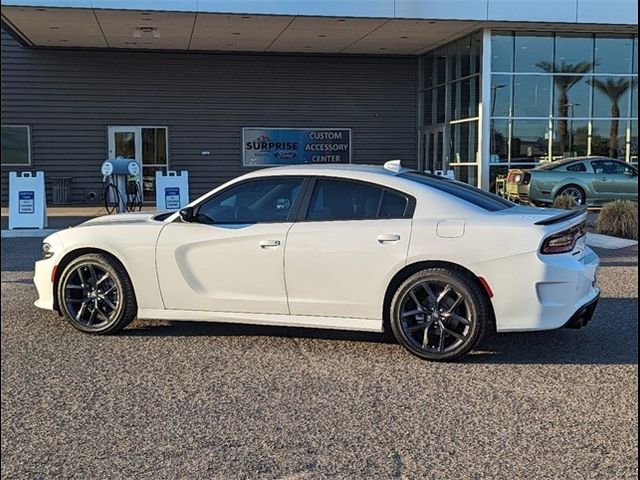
[583,315]
[43,280]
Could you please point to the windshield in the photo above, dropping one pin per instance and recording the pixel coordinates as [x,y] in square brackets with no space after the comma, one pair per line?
[480,198]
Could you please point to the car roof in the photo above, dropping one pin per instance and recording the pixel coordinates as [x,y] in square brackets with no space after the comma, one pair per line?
[328,170]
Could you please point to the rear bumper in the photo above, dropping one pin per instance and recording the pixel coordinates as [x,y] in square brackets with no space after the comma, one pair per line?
[542,292]
[583,315]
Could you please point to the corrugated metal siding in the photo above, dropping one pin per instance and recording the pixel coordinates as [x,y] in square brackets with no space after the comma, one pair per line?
[70,97]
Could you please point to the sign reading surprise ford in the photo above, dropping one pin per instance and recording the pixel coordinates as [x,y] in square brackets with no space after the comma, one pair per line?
[289,146]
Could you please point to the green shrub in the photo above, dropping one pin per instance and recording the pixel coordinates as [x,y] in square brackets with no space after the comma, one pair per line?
[619,219]
[564,202]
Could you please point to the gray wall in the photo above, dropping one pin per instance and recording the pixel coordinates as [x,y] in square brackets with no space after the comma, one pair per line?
[69,97]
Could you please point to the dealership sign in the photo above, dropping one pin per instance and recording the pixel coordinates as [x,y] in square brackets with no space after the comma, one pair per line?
[289,146]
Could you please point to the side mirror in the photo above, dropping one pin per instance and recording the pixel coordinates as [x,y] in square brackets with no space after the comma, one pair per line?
[632,173]
[187,214]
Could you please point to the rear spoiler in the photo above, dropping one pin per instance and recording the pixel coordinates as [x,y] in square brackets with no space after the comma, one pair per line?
[563,216]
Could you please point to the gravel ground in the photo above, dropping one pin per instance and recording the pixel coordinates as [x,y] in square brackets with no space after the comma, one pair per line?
[188,400]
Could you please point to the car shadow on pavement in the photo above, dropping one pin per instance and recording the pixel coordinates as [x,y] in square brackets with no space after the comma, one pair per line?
[610,338]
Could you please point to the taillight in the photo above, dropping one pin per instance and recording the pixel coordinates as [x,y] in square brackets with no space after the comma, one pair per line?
[564,241]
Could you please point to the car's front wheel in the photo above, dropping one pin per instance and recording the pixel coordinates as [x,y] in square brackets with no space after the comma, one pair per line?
[439,314]
[95,294]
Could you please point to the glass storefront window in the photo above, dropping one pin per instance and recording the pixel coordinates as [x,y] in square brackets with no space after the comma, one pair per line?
[635,54]
[428,67]
[499,140]
[501,95]
[529,140]
[613,54]
[570,138]
[476,53]
[464,142]
[429,111]
[466,173]
[531,96]
[440,104]
[440,59]
[609,138]
[611,96]
[573,50]
[502,52]
[633,144]
[464,98]
[532,51]
[634,97]
[572,96]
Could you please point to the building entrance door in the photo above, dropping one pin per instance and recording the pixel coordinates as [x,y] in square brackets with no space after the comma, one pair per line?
[434,149]
[146,145]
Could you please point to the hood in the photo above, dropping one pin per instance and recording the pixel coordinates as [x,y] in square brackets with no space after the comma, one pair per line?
[122,218]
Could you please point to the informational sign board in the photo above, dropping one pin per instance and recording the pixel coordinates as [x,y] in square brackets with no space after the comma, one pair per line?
[263,146]
[172,190]
[27,200]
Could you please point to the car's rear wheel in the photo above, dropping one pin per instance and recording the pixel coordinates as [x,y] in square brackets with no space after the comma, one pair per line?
[574,192]
[95,294]
[439,314]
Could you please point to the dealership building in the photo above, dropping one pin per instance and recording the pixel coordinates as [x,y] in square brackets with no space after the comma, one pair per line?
[221,87]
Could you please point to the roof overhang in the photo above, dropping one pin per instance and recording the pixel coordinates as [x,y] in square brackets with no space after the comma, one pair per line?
[257,26]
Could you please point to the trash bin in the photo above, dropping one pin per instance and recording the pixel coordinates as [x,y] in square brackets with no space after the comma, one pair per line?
[61,190]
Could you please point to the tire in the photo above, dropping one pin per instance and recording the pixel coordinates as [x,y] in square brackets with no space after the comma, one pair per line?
[419,317]
[575,192]
[95,294]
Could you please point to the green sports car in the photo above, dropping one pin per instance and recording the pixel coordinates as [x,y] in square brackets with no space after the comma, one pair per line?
[591,181]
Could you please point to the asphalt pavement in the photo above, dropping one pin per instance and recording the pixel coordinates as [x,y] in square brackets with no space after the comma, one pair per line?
[189,400]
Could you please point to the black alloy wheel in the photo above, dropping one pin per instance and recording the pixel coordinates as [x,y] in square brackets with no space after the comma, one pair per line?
[439,314]
[95,294]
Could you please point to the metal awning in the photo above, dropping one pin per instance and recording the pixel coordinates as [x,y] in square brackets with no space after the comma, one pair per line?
[107,24]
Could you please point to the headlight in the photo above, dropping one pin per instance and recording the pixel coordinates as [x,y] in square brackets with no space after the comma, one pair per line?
[47,250]
[517,178]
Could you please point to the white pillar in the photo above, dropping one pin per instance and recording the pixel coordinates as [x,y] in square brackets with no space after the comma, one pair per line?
[484,112]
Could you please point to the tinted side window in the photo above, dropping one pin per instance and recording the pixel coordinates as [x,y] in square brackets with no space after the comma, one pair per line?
[473,195]
[393,205]
[577,167]
[255,201]
[343,200]
[609,167]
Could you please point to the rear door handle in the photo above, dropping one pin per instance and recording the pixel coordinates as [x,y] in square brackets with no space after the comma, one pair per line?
[388,238]
[269,243]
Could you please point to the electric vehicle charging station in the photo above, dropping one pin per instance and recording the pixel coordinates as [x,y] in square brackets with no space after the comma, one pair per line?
[27,200]
[118,173]
[172,190]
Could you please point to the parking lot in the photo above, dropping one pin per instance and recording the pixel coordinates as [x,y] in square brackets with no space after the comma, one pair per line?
[188,400]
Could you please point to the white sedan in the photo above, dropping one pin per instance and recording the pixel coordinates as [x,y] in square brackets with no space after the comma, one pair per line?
[351,247]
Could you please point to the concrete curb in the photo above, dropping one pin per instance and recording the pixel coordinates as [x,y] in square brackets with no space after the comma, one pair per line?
[25,233]
[608,242]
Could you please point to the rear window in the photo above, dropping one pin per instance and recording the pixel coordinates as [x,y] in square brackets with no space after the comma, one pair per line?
[480,198]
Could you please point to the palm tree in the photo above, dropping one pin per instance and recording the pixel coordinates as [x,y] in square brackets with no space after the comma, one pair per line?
[574,73]
[614,89]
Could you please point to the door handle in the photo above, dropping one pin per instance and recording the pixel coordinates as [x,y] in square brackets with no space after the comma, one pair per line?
[269,243]
[603,179]
[388,238]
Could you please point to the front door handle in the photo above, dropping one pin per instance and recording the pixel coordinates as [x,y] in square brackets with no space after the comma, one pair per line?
[603,179]
[388,238]
[269,243]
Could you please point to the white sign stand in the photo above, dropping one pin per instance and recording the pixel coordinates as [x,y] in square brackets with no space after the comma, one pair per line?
[172,190]
[27,200]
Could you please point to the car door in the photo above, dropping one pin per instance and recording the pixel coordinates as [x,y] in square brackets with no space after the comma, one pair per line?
[615,179]
[339,258]
[230,259]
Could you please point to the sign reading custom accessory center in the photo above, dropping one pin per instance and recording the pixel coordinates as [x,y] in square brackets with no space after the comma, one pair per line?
[288,146]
